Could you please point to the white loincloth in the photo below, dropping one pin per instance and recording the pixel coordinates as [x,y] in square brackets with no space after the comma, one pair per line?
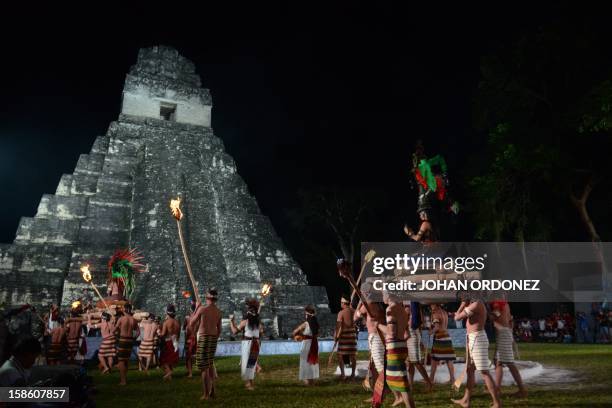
[504,339]
[414,346]
[377,350]
[478,344]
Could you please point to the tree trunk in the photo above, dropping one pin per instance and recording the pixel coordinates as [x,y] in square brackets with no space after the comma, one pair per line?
[583,213]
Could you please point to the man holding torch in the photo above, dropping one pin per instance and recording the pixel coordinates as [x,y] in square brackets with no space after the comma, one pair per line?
[206,322]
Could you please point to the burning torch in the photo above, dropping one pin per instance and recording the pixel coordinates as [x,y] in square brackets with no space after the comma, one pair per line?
[265,291]
[87,277]
[175,207]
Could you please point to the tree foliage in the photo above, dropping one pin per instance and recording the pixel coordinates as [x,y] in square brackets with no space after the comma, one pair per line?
[545,104]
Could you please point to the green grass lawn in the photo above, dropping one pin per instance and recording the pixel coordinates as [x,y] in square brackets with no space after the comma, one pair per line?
[278,385]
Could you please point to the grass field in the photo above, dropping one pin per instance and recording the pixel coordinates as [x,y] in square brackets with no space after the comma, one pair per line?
[278,385]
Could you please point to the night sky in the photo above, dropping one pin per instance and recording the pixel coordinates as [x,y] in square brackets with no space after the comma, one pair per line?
[303,95]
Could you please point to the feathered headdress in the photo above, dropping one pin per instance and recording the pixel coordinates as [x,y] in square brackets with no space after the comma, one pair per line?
[122,266]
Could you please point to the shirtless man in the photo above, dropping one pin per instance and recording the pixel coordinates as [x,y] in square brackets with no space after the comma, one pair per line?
[58,339]
[74,330]
[128,330]
[169,335]
[346,337]
[190,342]
[377,347]
[415,357]
[107,350]
[502,320]
[475,314]
[397,350]
[146,349]
[206,322]
[442,347]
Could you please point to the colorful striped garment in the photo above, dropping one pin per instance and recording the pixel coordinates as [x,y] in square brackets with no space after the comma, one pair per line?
[205,354]
[124,348]
[107,347]
[442,348]
[146,348]
[347,343]
[54,352]
[73,347]
[395,365]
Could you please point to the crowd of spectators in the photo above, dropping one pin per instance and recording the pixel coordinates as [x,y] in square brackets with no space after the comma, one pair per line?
[563,327]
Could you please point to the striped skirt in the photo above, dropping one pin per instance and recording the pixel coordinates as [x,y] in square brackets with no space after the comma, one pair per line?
[377,352]
[205,353]
[478,347]
[395,372]
[442,348]
[414,346]
[54,352]
[107,347]
[124,348]
[146,348]
[504,339]
[347,343]
[73,347]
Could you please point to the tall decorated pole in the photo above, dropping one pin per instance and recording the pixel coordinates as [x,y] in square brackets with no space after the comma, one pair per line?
[175,207]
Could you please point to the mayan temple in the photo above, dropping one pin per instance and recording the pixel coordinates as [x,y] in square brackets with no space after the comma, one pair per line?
[161,146]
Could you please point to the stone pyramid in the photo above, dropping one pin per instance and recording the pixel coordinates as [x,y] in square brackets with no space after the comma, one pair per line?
[161,146]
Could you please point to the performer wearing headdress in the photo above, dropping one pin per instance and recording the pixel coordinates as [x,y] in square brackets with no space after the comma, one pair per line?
[442,347]
[396,352]
[169,334]
[148,328]
[414,343]
[58,341]
[377,347]
[206,321]
[426,231]
[475,314]
[74,328]
[107,351]
[121,278]
[504,338]
[309,353]
[346,335]
[128,330]
[252,328]
[190,341]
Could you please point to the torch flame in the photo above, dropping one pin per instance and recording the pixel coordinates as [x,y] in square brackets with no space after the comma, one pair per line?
[86,273]
[186,294]
[265,290]
[76,304]
[175,207]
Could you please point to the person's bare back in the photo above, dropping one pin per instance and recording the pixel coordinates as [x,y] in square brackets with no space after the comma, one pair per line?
[345,316]
[58,335]
[209,317]
[74,327]
[170,328]
[126,326]
[149,328]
